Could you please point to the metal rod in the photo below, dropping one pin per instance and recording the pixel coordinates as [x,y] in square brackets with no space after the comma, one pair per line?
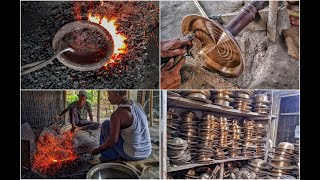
[41,64]
[200,8]
[272,20]
[246,16]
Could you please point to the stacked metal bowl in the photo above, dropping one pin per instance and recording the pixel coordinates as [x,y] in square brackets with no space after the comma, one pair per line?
[207,132]
[178,151]
[249,142]
[221,151]
[235,139]
[282,160]
[173,120]
[259,167]
[198,95]
[261,104]
[189,130]
[261,140]
[174,93]
[242,100]
[222,98]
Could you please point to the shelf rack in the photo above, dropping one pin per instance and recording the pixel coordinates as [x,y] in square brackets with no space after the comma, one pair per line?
[182,102]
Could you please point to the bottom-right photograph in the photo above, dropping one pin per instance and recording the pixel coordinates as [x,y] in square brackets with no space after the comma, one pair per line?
[230,134]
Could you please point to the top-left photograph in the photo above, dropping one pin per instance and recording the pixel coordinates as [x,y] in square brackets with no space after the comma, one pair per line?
[89,45]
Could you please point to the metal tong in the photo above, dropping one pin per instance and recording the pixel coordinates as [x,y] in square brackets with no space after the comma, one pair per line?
[40,64]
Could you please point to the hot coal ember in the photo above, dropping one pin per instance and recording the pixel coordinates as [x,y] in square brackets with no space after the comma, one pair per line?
[75,170]
[136,20]
[53,151]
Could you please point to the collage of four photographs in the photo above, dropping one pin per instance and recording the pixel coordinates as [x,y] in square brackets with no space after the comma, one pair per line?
[160,90]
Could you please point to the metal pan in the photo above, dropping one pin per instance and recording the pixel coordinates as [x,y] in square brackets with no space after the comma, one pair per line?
[81,58]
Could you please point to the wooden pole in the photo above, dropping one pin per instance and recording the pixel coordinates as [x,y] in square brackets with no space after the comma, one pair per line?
[272,20]
[151,107]
[98,108]
[163,134]
[65,106]
[221,170]
[143,98]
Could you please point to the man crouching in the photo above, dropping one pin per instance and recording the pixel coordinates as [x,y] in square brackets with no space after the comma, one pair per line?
[126,136]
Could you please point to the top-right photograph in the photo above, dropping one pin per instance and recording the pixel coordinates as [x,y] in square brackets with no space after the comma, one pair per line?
[229,44]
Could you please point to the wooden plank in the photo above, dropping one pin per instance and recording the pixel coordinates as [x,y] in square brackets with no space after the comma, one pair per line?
[192,165]
[196,105]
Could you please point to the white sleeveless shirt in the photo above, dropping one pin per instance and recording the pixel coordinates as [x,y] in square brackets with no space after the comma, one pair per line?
[137,143]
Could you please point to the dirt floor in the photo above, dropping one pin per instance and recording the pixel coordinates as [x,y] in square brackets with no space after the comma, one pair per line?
[267,63]
[138,69]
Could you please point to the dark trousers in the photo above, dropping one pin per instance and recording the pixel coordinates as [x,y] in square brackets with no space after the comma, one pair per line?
[75,119]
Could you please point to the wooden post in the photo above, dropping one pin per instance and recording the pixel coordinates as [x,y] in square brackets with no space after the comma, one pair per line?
[151,107]
[272,20]
[163,134]
[143,98]
[65,106]
[98,108]
[221,170]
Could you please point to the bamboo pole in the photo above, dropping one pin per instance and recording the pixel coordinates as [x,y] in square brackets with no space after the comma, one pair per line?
[98,108]
[143,98]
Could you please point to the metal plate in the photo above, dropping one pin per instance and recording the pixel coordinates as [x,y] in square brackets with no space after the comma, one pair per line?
[220,49]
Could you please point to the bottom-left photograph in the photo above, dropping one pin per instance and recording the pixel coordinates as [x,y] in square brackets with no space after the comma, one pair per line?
[90,134]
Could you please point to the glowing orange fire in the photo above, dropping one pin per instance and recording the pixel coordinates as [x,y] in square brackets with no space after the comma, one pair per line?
[120,47]
[53,151]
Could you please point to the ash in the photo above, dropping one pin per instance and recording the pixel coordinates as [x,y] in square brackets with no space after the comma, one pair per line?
[137,69]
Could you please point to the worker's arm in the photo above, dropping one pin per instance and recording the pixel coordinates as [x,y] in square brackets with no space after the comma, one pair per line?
[114,134]
[63,112]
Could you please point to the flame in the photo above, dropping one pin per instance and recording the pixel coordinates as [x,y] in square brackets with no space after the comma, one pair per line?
[120,47]
[53,151]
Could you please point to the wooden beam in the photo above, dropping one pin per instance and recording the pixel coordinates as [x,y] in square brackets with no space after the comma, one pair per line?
[151,107]
[98,108]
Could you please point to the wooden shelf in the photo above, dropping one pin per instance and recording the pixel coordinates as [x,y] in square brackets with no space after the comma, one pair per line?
[197,105]
[193,165]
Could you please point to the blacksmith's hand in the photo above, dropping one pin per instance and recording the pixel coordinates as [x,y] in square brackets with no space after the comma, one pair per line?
[174,47]
[170,74]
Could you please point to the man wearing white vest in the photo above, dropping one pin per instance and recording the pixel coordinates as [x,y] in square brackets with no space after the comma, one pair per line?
[126,135]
